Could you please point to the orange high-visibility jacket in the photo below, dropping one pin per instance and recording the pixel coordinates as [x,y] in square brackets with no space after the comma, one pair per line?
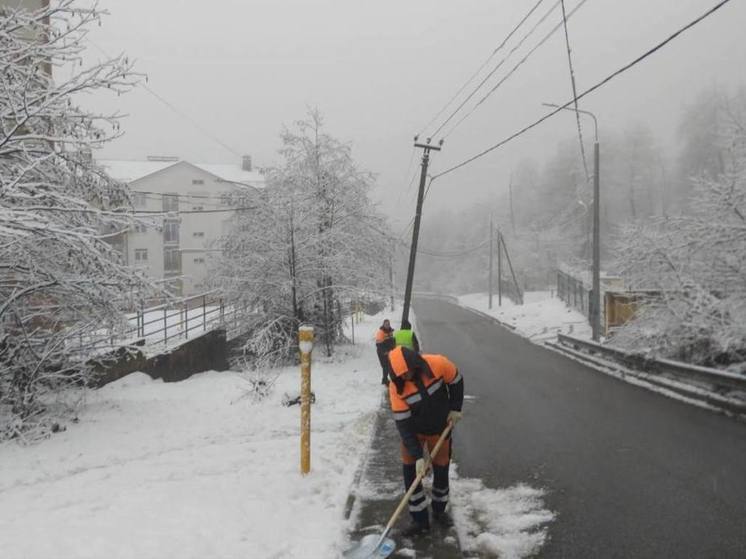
[384,340]
[424,409]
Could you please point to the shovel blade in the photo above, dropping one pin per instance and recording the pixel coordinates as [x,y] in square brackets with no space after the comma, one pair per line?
[371,547]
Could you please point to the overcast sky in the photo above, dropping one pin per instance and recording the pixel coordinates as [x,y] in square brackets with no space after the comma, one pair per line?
[379,71]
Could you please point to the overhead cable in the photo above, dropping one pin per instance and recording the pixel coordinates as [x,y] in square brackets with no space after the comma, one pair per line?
[183,115]
[453,254]
[574,93]
[516,67]
[475,74]
[588,91]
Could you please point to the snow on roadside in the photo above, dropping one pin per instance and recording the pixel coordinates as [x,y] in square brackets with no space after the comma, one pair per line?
[507,523]
[196,468]
[540,318]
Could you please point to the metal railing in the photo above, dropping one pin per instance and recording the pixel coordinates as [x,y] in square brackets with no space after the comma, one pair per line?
[720,381]
[165,324]
[573,292]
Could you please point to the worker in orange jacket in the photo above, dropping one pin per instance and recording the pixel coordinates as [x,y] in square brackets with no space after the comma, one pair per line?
[426,393]
[384,343]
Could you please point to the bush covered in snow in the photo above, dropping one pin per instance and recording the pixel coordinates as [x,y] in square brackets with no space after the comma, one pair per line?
[695,263]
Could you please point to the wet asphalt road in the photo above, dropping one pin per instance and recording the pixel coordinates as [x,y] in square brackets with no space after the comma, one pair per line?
[629,473]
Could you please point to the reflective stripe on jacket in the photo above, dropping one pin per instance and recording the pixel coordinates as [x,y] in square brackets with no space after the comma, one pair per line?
[423,405]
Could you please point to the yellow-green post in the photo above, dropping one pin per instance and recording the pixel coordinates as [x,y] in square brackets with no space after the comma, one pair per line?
[305,344]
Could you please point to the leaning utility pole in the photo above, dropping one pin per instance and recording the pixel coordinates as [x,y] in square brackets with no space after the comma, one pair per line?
[391,274]
[416,230]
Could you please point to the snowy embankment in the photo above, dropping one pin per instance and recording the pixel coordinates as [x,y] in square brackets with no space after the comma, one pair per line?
[198,468]
[540,318]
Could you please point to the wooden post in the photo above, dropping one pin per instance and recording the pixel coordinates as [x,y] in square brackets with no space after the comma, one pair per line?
[305,344]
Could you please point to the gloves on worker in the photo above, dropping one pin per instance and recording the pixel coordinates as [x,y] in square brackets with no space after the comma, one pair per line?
[420,467]
[455,416]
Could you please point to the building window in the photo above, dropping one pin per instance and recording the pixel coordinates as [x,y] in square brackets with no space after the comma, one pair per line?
[171,232]
[198,234]
[171,260]
[198,181]
[141,255]
[170,202]
[199,260]
[141,228]
[198,208]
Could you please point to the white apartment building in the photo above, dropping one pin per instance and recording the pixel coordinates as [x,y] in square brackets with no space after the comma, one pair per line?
[27,4]
[187,202]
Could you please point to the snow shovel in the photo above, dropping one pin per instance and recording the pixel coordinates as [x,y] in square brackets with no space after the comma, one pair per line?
[372,546]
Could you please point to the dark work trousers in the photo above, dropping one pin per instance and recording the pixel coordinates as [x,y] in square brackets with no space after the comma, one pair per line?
[384,360]
[418,500]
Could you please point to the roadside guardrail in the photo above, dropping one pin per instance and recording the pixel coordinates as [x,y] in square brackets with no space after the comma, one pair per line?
[720,389]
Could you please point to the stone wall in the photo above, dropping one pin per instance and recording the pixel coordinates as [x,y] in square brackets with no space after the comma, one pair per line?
[207,352]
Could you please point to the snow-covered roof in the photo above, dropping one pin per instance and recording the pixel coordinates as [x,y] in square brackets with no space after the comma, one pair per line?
[131,170]
[232,173]
[126,170]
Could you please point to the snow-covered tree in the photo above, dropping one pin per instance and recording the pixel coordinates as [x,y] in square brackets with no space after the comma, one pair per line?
[60,217]
[695,263]
[314,242]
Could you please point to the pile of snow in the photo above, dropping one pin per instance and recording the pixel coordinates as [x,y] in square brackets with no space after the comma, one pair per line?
[540,318]
[507,523]
[198,468]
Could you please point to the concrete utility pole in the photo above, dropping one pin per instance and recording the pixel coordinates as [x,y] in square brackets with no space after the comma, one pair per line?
[492,235]
[499,270]
[391,274]
[595,302]
[417,217]
[510,197]
[596,295]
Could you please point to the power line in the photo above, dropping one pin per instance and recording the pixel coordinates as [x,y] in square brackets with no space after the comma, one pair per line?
[488,76]
[161,194]
[194,123]
[574,92]
[183,115]
[158,212]
[587,91]
[455,253]
[517,66]
[402,191]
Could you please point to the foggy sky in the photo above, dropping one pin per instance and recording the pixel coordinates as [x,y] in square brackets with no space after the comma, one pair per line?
[380,70]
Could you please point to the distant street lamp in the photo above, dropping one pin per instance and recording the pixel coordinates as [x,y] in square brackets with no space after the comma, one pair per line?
[595,301]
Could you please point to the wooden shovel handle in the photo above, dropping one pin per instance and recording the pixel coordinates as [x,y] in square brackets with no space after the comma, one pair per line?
[417,480]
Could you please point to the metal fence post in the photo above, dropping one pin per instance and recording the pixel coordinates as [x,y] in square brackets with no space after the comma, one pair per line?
[165,326]
[204,313]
